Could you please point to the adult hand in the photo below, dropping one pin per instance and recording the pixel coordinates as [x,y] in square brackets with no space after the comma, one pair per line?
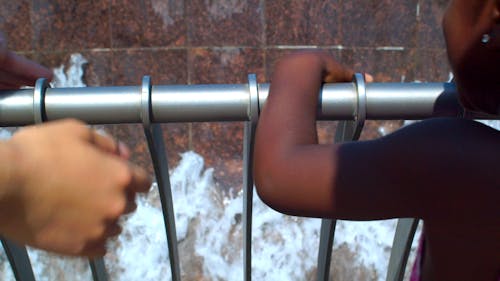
[67,187]
[16,71]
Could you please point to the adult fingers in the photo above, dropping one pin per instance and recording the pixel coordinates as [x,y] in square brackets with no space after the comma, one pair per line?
[25,68]
[130,205]
[12,80]
[141,181]
[94,249]
[7,86]
[113,229]
[110,145]
[103,142]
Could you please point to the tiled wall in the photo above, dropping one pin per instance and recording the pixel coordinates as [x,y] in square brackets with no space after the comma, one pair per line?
[208,41]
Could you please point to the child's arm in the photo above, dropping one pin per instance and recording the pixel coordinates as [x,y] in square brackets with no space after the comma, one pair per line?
[287,157]
[421,170]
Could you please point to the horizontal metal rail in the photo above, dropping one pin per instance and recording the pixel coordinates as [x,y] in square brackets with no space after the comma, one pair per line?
[221,102]
[351,102]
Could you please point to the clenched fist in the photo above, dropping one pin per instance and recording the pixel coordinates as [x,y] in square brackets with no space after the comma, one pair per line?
[63,187]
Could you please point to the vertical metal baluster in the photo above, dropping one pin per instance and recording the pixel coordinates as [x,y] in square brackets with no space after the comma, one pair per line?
[19,260]
[248,142]
[154,137]
[325,248]
[403,238]
[346,131]
[98,269]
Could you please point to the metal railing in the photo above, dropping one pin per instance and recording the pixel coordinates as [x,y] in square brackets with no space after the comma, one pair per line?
[150,105]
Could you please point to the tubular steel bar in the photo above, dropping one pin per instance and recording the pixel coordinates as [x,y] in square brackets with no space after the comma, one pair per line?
[225,102]
[154,137]
[347,130]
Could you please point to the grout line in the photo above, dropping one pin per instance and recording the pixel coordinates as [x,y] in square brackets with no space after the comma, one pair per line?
[274,47]
[390,48]
[264,38]
[111,43]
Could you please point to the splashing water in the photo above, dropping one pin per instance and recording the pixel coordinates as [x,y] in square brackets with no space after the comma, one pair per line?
[209,224]
[73,76]
[284,247]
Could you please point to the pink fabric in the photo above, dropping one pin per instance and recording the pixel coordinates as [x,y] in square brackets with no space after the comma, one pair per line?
[417,266]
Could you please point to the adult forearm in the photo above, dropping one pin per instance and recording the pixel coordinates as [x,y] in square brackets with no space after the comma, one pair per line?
[9,192]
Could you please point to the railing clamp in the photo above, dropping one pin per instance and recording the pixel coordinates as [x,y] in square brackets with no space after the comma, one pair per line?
[39,114]
[146,101]
[360,109]
[253,106]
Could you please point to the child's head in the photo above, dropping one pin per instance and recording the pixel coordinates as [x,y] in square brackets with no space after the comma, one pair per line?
[472,33]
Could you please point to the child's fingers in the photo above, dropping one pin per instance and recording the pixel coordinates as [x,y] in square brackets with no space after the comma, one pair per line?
[337,72]
[368,77]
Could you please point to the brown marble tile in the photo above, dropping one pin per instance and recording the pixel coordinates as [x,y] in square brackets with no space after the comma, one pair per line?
[175,139]
[225,65]
[225,22]
[274,55]
[384,65]
[370,23]
[326,131]
[371,130]
[15,23]
[150,23]
[70,25]
[430,34]
[164,66]
[432,66]
[302,22]
[221,145]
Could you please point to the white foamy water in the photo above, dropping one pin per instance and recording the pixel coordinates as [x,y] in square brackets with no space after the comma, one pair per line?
[284,247]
